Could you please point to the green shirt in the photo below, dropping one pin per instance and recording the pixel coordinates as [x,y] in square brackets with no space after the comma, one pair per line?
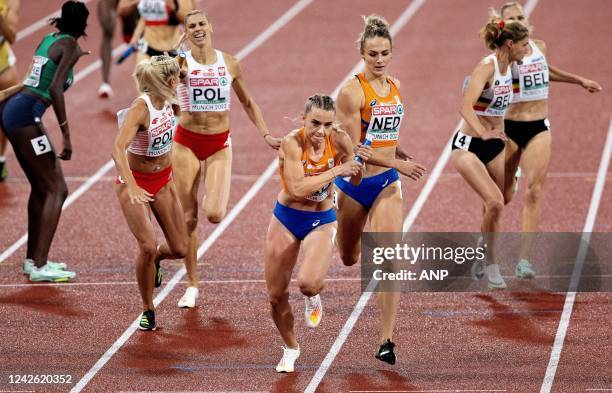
[43,68]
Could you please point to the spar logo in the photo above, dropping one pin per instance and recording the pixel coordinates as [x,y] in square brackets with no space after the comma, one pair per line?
[387,110]
[163,127]
[499,90]
[203,82]
[531,68]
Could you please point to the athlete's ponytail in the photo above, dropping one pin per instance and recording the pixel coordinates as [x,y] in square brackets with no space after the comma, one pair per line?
[496,32]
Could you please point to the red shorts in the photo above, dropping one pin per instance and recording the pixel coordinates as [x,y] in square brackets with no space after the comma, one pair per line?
[202,145]
[151,182]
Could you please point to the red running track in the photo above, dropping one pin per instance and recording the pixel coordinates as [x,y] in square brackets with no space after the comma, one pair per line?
[446,342]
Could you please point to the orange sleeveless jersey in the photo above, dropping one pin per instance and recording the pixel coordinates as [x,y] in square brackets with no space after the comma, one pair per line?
[314,168]
[381,116]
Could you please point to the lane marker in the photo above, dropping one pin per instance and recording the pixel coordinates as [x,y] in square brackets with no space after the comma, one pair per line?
[570,297]
[219,229]
[414,212]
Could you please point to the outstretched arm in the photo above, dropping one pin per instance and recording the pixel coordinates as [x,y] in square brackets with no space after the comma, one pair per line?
[248,103]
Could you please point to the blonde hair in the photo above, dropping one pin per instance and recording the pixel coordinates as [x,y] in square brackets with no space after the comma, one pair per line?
[375,26]
[496,32]
[152,76]
[192,13]
[509,4]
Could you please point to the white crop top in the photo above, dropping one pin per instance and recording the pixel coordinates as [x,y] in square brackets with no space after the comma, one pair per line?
[156,140]
[530,78]
[495,99]
[207,87]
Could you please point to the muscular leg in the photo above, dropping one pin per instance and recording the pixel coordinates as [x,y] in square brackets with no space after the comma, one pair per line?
[280,256]
[49,191]
[138,218]
[186,173]
[386,216]
[317,260]
[535,166]
[107,16]
[487,181]
[217,181]
[352,217]
[513,156]
[169,214]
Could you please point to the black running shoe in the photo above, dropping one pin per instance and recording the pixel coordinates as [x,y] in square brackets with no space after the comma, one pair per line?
[385,353]
[159,275]
[147,320]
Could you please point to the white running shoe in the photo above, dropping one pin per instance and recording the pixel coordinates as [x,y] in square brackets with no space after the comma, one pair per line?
[189,298]
[524,269]
[313,311]
[289,357]
[105,91]
[28,264]
[47,273]
[494,277]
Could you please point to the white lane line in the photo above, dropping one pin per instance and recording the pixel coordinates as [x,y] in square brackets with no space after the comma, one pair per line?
[430,391]
[39,24]
[219,229]
[570,297]
[414,212]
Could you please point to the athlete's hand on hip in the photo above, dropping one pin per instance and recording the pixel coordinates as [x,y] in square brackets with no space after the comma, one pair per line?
[139,195]
[349,168]
[273,142]
[410,169]
[494,134]
[66,153]
[591,86]
[364,152]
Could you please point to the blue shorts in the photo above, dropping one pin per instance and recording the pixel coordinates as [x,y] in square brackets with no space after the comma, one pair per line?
[370,187]
[300,222]
[21,110]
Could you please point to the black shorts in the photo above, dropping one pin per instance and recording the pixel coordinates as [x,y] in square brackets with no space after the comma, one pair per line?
[521,132]
[144,47]
[484,150]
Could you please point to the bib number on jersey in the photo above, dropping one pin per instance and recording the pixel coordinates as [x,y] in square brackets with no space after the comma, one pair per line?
[462,141]
[153,10]
[160,142]
[41,145]
[33,79]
